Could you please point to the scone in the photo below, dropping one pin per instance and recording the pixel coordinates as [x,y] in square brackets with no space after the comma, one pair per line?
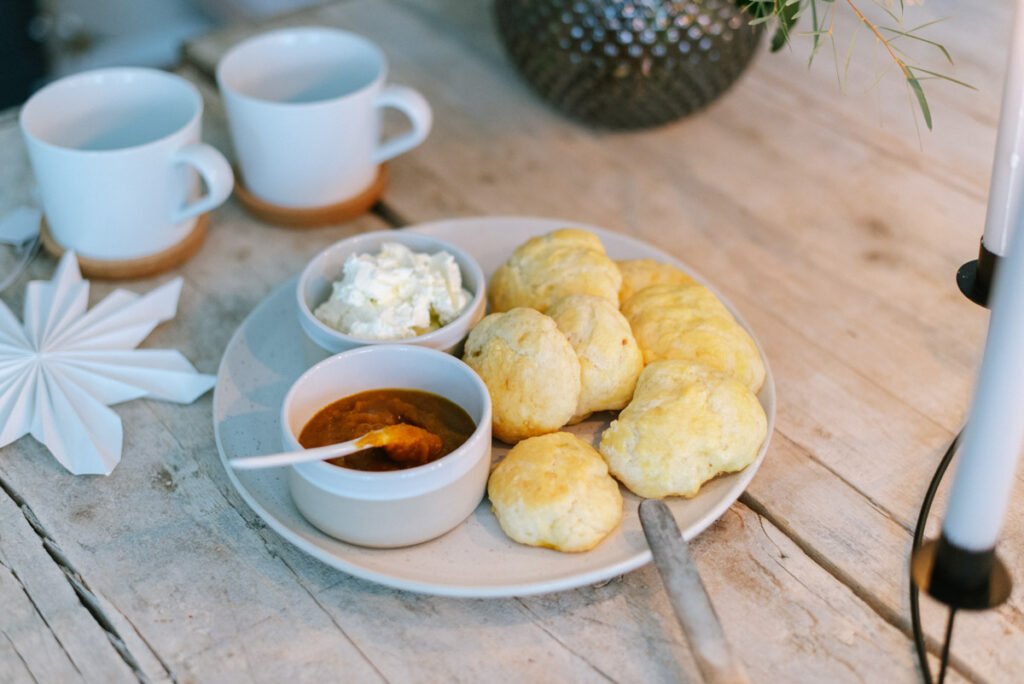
[638,274]
[686,424]
[610,360]
[546,268]
[554,491]
[688,322]
[530,369]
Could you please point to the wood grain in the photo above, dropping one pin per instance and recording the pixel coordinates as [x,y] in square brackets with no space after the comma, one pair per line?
[844,266]
[45,628]
[835,234]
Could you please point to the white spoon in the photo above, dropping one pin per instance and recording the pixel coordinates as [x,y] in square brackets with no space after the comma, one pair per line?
[403,443]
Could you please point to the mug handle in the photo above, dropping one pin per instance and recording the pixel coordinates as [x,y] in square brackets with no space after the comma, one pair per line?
[216,173]
[416,109]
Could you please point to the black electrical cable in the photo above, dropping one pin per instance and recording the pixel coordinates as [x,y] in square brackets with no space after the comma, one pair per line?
[915,604]
[944,659]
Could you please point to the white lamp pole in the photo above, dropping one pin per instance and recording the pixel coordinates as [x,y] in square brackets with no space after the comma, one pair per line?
[1008,165]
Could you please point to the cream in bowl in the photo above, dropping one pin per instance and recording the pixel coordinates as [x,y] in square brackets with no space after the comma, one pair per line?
[394,294]
[387,287]
[400,506]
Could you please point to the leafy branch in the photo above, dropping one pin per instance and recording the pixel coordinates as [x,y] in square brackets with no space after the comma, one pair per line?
[786,13]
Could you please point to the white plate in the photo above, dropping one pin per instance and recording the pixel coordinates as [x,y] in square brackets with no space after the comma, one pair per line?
[269,351]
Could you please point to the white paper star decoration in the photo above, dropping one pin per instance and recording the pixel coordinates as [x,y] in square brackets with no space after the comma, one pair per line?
[62,368]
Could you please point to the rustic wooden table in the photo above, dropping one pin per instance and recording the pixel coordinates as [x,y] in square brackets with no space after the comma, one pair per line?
[833,226]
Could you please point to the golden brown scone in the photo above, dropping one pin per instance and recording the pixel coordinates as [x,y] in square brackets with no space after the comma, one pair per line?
[638,274]
[610,360]
[686,424]
[530,370]
[555,491]
[688,322]
[548,267]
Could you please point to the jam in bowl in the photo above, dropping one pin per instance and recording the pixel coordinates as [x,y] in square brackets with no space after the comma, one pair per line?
[400,506]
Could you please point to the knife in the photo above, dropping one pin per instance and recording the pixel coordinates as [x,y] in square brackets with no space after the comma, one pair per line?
[688,596]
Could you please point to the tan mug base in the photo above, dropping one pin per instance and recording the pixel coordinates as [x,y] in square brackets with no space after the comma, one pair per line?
[139,267]
[315,217]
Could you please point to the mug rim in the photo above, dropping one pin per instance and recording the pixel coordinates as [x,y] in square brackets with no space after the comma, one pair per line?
[32,103]
[223,64]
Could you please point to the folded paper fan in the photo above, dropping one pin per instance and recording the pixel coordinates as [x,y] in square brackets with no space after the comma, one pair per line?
[64,365]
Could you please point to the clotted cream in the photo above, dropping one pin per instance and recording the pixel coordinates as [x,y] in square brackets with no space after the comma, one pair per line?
[395,294]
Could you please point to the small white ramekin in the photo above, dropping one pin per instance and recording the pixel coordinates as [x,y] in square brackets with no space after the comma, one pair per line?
[402,507]
[314,287]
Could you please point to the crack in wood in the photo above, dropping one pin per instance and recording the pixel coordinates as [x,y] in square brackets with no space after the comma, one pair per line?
[259,530]
[254,523]
[452,31]
[78,584]
[92,604]
[809,454]
[18,653]
[667,641]
[782,566]
[42,617]
[330,617]
[536,620]
[389,215]
[892,617]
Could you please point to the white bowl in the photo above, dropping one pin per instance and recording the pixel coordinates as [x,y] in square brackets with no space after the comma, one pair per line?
[314,288]
[396,508]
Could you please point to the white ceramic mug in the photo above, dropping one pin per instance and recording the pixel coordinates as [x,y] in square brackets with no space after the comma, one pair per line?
[116,154]
[304,107]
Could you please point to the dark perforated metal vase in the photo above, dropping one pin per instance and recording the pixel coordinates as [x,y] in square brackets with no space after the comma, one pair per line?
[627,63]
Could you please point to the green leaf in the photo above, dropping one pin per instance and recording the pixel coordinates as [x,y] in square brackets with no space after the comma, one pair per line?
[788,15]
[922,101]
[926,24]
[816,26]
[849,56]
[888,11]
[944,77]
[907,34]
[758,9]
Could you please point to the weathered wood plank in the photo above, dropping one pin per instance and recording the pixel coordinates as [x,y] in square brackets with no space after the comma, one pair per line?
[845,269]
[203,54]
[846,421]
[200,591]
[199,583]
[151,553]
[626,630]
[833,257]
[15,669]
[68,643]
[23,630]
[240,263]
[156,570]
[42,617]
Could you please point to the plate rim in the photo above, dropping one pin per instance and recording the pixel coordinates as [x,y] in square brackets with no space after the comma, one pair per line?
[505,590]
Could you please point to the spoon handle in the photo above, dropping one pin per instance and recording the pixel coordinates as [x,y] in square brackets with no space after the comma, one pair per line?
[292,457]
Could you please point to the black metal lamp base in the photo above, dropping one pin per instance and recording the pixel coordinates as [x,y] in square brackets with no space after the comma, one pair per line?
[962,580]
[975,277]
